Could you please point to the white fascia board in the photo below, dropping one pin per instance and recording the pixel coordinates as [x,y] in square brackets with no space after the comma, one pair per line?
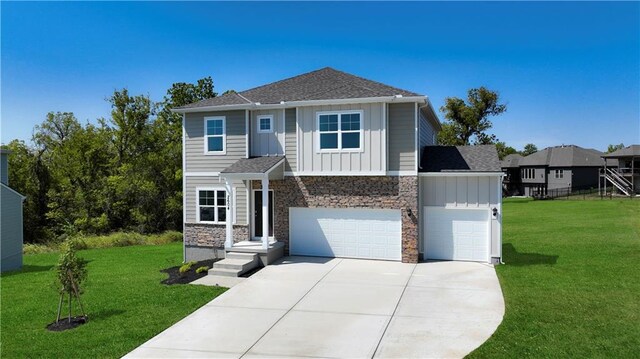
[335,174]
[461,174]
[284,104]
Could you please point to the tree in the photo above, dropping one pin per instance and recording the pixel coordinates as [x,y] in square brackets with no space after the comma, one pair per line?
[467,121]
[613,148]
[71,273]
[504,150]
[529,148]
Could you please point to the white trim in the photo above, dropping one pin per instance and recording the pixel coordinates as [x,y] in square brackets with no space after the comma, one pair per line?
[297,142]
[385,124]
[252,221]
[285,104]
[260,117]
[461,174]
[224,136]
[401,173]
[339,132]
[201,174]
[184,186]
[233,207]
[247,203]
[197,204]
[330,173]
[247,130]
[284,132]
[416,144]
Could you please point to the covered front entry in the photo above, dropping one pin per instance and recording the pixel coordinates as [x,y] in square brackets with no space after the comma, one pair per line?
[257,220]
[346,232]
[457,234]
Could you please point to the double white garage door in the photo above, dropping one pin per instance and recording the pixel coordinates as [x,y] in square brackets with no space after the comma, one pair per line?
[354,233]
[449,234]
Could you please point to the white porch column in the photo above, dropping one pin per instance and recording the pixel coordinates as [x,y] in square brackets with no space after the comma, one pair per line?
[228,243]
[265,213]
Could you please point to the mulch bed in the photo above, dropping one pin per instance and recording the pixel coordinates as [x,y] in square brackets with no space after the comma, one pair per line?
[176,278]
[64,323]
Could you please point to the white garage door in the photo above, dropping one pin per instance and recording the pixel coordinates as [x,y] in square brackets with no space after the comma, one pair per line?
[456,234]
[356,233]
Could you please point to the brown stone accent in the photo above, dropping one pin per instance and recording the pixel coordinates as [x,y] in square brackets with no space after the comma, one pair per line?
[348,192]
[212,235]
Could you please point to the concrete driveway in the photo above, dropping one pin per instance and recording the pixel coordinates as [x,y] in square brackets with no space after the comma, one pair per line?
[342,308]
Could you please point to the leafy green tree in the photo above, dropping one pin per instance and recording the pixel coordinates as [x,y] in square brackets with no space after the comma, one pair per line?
[529,148]
[467,121]
[71,272]
[504,150]
[613,148]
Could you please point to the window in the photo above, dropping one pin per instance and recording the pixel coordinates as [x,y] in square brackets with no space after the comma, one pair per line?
[212,205]
[265,124]
[340,130]
[559,173]
[214,134]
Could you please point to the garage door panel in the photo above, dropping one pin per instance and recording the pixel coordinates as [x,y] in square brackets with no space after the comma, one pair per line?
[357,233]
[456,234]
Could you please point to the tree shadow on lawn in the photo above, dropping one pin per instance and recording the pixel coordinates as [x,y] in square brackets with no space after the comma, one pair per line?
[104,314]
[27,269]
[512,257]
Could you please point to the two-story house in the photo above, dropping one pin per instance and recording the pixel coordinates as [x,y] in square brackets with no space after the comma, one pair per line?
[331,164]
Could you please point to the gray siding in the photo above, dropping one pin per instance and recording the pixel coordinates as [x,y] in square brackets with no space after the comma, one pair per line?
[264,144]
[426,134]
[538,177]
[582,177]
[10,229]
[290,148]
[564,182]
[464,192]
[193,182]
[372,158]
[402,132]
[196,160]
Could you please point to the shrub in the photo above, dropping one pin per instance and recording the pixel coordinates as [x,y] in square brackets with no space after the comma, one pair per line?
[71,273]
[186,267]
[32,248]
[202,269]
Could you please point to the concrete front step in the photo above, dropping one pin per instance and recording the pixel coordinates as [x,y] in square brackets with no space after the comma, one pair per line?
[235,264]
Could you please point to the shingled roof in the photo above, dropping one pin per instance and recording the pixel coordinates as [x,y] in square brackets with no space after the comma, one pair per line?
[324,84]
[564,156]
[253,165]
[480,158]
[511,161]
[629,151]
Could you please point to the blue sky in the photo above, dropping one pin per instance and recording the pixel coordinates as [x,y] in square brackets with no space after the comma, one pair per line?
[569,72]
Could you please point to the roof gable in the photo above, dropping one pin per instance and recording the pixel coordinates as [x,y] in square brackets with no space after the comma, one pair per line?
[564,156]
[479,158]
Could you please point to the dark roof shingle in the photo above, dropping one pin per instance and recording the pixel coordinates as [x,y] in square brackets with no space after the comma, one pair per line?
[511,161]
[480,158]
[253,165]
[323,84]
[564,156]
[633,150]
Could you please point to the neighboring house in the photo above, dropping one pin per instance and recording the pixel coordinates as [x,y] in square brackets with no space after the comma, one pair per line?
[329,164]
[563,169]
[623,170]
[10,220]
[512,182]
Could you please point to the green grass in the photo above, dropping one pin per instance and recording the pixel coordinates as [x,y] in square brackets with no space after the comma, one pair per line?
[123,297]
[571,281]
[115,239]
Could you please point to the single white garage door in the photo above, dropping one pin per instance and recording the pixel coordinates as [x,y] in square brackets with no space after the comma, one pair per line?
[355,233]
[457,234]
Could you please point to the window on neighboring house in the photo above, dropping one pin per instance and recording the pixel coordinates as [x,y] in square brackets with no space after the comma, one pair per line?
[215,135]
[340,131]
[265,124]
[559,173]
[212,205]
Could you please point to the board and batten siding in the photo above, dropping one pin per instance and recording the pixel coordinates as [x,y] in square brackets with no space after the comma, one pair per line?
[195,158]
[464,192]
[194,182]
[372,157]
[271,143]
[402,132]
[290,145]
[10,229]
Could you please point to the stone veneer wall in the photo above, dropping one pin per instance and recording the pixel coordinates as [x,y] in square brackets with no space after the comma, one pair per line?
[349,192]
[212,235]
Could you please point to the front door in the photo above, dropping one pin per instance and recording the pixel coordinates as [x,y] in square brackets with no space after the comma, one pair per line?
[257,214]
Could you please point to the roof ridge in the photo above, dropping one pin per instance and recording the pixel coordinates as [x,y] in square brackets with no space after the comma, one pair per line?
[368,80]
[283,80]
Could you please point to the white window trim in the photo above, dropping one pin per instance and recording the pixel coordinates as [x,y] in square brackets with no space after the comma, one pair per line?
[224,135]
[339,131]
[260,117]
[198,189]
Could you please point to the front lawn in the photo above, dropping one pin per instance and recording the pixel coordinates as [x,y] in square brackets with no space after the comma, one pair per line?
[124,299]
[571,281]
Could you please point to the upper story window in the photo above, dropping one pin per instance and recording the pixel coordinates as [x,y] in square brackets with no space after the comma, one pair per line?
[212,205]
[528,173]
[214,135]
[340,131]
[559,173]
[265,124]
